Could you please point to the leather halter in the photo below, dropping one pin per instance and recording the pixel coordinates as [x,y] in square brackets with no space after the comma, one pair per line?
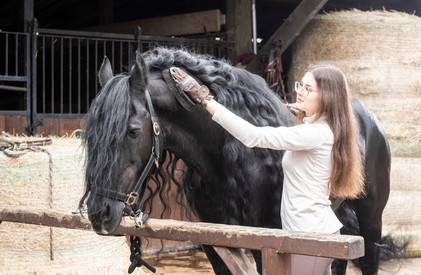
[132,207]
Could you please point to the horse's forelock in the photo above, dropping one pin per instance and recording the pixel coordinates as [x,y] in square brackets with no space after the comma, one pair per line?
[104,133]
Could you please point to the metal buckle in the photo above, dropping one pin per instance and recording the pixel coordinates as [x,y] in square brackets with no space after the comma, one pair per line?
[156,128]
[130,198]
[156,161]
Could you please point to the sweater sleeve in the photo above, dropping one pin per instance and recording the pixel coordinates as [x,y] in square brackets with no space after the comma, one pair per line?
[300,137]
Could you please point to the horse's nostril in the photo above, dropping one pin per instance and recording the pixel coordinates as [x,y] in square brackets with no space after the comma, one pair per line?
[106,213]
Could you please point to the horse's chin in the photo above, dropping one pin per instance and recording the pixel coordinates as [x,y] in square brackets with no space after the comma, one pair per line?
[109,229]
[107,224]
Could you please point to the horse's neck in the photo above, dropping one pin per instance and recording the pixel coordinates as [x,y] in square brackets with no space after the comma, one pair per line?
[197,141]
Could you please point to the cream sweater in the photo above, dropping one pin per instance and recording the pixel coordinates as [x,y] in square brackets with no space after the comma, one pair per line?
[307,168]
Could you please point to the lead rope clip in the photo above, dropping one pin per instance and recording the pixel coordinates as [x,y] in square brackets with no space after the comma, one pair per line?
[140,219]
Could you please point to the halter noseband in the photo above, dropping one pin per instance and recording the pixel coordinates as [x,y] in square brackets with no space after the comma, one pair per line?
[132,208]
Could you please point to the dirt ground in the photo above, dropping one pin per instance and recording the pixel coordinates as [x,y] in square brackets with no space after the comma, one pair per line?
[195,262]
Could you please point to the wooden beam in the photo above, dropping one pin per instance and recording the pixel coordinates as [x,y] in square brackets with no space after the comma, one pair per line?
[28,14]
[180,24]
[105,11]
[46,217]
[239,26]
[288,31]
[236,260]
[283,241]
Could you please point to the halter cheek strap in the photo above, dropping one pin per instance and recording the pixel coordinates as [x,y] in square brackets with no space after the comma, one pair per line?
[153,160]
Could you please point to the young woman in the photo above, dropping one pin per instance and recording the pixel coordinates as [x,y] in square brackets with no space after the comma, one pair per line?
[322,156]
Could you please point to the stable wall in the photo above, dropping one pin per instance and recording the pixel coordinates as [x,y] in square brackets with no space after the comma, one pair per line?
[16,125]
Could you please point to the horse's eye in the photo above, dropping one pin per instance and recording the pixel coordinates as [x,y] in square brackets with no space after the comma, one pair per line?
[133,133]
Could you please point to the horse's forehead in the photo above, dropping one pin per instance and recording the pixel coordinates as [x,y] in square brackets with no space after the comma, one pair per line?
[138,106]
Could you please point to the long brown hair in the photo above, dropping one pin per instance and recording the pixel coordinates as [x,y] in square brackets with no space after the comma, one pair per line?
[347,178]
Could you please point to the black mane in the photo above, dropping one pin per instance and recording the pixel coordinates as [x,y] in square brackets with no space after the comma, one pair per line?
[248,96]
[244,93]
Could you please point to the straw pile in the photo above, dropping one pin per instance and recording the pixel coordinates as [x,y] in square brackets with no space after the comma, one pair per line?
[27,248]
[380,53]
[402,215]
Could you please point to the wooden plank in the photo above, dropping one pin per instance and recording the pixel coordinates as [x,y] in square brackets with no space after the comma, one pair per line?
[236,260]
[3,123]
[60,126]
[283,241]
[288,31]
[180,24]
[50,126]
[274,263]
[15,125]
[46,217]
[68,125]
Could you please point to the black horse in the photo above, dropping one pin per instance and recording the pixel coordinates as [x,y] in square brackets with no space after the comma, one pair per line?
[223,181]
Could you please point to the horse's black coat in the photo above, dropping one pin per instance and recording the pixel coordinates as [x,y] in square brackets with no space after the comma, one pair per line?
[224,181]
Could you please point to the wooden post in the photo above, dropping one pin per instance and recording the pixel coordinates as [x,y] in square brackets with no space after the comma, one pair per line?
[274,263]
[239,26]
[236,260]
[289,30]
[28,15]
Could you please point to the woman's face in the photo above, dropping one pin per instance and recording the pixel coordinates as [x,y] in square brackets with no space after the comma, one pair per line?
[310,104]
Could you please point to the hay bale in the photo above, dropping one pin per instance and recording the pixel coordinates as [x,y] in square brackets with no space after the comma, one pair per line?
[26,248]
[379,52]
[402,215]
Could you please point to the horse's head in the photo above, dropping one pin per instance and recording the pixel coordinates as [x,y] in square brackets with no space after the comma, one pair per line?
[119,138]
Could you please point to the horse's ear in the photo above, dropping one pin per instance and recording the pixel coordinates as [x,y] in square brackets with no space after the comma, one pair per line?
[105,72]
[139,76]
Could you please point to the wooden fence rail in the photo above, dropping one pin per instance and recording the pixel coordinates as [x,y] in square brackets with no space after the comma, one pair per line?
[276,245]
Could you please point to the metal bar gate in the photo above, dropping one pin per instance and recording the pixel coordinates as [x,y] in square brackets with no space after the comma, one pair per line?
[53,73]
[15,74]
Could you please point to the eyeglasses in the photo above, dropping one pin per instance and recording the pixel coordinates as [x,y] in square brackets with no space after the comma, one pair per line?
[299,86]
